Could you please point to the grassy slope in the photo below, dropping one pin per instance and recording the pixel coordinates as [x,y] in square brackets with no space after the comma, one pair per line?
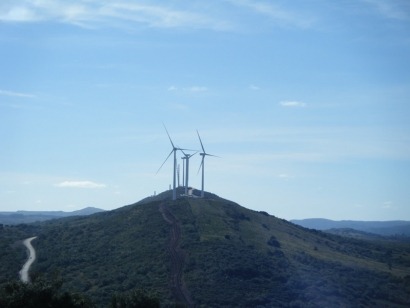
[231,253]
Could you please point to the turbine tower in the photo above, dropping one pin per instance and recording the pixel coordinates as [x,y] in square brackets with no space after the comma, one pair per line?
[203,154]
[183,170]
[174,150]
[178,174]
[185,159]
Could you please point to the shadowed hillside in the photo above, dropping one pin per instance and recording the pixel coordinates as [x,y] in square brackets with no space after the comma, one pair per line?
[213,252]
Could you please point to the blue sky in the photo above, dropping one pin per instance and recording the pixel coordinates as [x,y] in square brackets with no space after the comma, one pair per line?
[306,102]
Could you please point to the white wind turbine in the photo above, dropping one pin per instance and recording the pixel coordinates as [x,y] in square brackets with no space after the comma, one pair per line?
[185,160]
[174,150]
[203,154]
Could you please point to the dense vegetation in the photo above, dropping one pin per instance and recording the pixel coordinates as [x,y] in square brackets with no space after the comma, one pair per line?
[45,293]
[232,257]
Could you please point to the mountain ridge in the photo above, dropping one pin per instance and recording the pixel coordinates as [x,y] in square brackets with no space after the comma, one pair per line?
[385,228]
[23,216]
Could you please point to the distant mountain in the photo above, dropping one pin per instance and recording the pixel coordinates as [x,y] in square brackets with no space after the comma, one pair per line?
[210,252]
[18,217]
[385,228]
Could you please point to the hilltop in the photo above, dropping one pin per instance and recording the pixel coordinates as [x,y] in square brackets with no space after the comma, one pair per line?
[212,252]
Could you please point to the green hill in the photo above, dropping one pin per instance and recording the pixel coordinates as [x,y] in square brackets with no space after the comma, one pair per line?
[214,253]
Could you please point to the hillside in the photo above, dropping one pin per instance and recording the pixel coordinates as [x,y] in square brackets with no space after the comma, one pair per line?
[385,228]
[212,252]
[20,217]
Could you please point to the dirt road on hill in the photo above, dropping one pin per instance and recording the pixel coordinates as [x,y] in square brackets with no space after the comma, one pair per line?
[179,289]
[24,277]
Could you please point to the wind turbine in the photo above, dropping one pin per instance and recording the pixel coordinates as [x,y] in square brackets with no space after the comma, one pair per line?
[185,159]
[183,170]
[203,154]
[174,150]
[178,174]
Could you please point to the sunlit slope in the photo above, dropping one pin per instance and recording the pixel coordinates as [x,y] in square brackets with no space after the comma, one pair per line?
[230,256]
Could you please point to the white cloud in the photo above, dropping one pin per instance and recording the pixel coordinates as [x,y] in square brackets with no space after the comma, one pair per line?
[254,88]
[196,89]
[292,104]
[285,176]
[16,94]
[188,89]
[80,184]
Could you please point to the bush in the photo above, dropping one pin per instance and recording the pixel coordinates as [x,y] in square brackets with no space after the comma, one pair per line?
[273,242]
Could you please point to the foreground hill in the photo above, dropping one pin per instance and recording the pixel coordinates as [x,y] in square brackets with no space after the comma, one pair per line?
[212,252]
[385,228]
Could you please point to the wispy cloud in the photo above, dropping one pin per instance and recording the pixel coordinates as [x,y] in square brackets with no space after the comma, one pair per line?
[92,13]
[178,106]
[387,205]
[275,12]
[16,94]
[292,104]
[40,10]
[254,88]
[391,9]
[80,184]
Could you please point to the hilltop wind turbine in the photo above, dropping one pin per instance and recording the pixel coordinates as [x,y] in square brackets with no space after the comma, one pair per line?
[178,174]
[203,154]
[174,150]
[183,170]
[185,159]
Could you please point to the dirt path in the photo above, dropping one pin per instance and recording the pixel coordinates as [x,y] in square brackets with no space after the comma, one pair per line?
[179,289]
[24,277]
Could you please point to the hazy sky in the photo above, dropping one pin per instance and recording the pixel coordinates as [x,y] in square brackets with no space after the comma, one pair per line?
[306,102]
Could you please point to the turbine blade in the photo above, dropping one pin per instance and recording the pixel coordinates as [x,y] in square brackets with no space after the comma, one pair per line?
[165,161]
[200,141]
[201,165]
[169,136]
[182,150]
[212,155]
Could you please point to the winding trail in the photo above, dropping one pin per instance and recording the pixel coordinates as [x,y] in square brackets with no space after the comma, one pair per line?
[24,277]
[179,289]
